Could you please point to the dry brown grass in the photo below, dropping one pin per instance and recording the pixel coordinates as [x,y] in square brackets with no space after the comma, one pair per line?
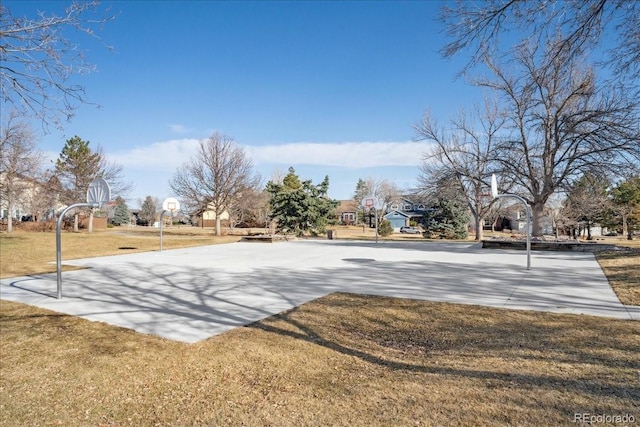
[340,360]
[25,253]
[622,269]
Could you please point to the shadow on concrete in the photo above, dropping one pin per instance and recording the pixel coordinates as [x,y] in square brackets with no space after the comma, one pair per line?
[190,303]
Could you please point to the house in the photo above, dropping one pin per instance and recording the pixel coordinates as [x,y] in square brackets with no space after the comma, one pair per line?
[413,208]
[32,199]
[397,219]
[515,220]
[347,212]
[207,217]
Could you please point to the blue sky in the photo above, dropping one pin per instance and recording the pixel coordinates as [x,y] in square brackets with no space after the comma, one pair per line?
[330,88]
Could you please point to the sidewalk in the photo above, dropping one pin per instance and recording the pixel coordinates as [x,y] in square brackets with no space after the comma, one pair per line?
[193,293]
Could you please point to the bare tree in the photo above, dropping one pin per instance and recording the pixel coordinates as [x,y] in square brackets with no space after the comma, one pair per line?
[37,61]
[112,172]
[20,164]
[626,203]
[248,206]
[463,154]
[384,191]
[559,123]
[578,27]
[148,210]
[587,202]
[218,172]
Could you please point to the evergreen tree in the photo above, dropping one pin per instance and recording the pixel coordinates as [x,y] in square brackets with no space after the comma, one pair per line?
[147,215]
[300,206]
[385,228]
[449,218]
[76,167]
[121,214]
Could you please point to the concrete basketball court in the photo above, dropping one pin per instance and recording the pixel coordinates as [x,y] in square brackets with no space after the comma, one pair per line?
[194,293]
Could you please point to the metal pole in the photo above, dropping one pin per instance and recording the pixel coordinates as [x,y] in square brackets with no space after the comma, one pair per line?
[59,241]
[161,221]
[376,211]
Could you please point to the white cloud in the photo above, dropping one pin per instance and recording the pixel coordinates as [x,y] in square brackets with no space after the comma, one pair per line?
[151,167]
[346,154]
[167,155]
[179,128]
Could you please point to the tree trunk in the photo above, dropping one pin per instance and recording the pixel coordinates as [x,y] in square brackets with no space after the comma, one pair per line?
[91,221]
[10,219]
[75,222]
[537,213]
[479,227]
[218,225]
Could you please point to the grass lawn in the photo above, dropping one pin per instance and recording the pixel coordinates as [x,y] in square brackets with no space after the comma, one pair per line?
[623,270]
[340,360]
[25,253]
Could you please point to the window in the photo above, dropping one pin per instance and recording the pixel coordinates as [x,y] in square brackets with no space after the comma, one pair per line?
[394,207]
[407,207]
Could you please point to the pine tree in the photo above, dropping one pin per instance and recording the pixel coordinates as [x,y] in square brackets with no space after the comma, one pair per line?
[300,206]
[449,218]
[385,228]
[121,214]
[76,167]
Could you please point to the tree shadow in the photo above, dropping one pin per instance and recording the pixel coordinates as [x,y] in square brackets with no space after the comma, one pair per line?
[492,341]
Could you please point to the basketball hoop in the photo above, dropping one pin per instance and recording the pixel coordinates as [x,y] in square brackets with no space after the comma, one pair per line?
[171,205]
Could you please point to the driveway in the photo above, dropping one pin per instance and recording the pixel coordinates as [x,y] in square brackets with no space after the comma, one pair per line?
[194,293]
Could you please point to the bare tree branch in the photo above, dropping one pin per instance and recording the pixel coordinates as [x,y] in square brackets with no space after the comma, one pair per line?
[37,62]
[577,27]
[218,172]
[20,164]
[463,156]
[560,123]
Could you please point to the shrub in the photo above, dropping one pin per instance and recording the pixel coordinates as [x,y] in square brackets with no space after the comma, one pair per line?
[36,226]
[385,228]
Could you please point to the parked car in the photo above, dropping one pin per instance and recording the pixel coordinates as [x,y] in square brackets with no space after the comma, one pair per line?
[410,230]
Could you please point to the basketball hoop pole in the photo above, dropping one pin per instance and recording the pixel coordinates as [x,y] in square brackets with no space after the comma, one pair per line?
[98,194]
[161,221]
[59,241]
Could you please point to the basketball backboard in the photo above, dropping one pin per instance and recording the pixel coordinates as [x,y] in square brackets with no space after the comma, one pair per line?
[99,192]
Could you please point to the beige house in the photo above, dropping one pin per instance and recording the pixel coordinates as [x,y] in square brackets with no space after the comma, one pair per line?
[26,198]
[207,218]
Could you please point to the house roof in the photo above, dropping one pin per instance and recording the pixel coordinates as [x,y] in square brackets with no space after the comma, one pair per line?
[347,206]
[397,212]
